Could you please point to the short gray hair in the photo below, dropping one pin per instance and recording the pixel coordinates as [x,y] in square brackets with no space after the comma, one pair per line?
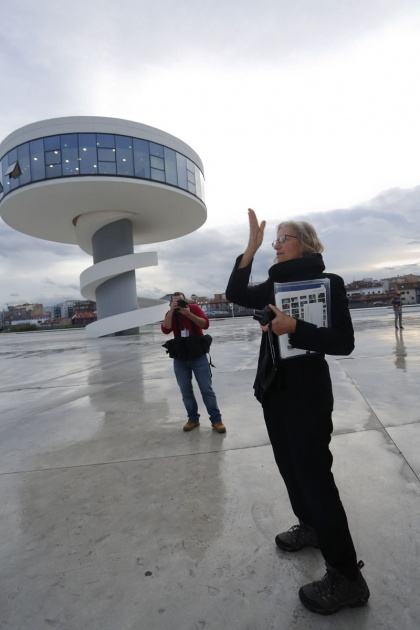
[306,235]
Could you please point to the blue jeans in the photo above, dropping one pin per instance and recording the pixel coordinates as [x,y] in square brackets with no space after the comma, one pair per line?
[201,369]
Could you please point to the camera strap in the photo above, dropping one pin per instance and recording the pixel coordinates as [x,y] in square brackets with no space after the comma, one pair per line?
[177,327]
[271,345]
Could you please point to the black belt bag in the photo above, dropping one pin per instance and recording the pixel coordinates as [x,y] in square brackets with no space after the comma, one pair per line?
[187,348]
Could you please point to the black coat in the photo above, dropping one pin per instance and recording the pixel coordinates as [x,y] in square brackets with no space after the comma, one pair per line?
[303,382]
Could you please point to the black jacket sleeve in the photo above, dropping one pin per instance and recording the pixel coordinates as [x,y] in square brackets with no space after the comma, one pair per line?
[239,292]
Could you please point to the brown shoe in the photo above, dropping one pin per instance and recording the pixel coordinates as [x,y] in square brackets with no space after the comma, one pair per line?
[219,427]
[190,426]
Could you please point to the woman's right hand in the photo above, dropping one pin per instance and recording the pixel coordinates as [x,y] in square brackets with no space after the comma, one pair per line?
[256,236]
[256,231]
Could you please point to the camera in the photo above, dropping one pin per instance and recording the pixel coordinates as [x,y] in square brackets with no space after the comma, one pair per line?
[182,304]
[265,316]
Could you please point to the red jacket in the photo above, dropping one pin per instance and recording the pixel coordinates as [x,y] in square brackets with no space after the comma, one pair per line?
[185,323]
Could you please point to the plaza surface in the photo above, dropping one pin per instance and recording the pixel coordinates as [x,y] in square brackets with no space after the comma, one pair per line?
[113,518]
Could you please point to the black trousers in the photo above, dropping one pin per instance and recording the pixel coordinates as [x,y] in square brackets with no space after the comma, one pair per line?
[300,439]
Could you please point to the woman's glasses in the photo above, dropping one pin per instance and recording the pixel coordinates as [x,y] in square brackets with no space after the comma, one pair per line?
[281,239]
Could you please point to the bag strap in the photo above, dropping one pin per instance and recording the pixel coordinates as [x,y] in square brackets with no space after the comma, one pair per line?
[178,332]
[211,364]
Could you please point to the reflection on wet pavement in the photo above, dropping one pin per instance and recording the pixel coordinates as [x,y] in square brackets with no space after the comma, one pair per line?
[113,517]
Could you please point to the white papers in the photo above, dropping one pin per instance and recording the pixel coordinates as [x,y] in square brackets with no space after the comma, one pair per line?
[308,300]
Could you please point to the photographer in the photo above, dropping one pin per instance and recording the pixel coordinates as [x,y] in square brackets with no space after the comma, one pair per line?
[186,320]
[297,401]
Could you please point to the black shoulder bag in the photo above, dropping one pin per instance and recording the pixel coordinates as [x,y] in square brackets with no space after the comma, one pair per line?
[187,348]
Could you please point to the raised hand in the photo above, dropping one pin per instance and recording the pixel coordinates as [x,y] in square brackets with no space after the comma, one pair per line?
[256,236]
[256,231]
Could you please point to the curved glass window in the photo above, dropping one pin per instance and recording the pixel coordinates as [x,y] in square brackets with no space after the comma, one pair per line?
[78,154]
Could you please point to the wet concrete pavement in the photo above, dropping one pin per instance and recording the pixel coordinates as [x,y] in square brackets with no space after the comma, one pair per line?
[114,518]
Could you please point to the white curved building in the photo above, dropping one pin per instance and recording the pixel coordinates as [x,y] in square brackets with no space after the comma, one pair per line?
[105,184]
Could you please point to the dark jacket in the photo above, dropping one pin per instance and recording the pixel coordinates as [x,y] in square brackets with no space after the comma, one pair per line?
[302,382]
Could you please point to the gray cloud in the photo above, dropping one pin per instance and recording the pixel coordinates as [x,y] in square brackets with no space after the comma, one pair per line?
[178,26]
[355,239]
[25,262]
[95,58]
[57,59]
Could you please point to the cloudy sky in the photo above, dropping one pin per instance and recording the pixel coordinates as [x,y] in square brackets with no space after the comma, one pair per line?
[304,109]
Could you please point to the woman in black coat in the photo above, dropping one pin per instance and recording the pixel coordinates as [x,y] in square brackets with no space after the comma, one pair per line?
[297,400]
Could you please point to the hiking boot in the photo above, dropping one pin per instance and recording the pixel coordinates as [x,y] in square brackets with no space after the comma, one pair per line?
[334,591]
[297,537]
[219,427]
[190,426]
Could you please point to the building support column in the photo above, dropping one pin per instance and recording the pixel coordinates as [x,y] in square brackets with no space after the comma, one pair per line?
[117,295]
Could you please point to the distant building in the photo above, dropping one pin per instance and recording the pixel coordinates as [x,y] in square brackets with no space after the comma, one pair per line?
[410,292]
[71,307]
[368,292]
[84,306]
[366,287]
[65,309]
[25,311]
[83,318]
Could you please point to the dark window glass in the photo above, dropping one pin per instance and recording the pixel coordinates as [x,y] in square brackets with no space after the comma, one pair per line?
[141,158]
[105,140]
[156,162]
[53,170]
[24,163]
[1,179]
[181,162]
[69,154]
[36,152]
[197,180]
[106,155]
[170,167]
[12,157]
[52,157]
[14,170]
[52,143]
[157,175]
[200,185]
[12,173]
[125,164]
[156,149]
[107,168]
[87,154]
[4,179]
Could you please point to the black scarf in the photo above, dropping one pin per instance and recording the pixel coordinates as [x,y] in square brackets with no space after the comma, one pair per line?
[305,268]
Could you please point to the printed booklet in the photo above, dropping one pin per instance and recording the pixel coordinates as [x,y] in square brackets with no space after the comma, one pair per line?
[308,300]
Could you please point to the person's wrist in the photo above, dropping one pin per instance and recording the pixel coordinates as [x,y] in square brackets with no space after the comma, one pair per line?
[293,324]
